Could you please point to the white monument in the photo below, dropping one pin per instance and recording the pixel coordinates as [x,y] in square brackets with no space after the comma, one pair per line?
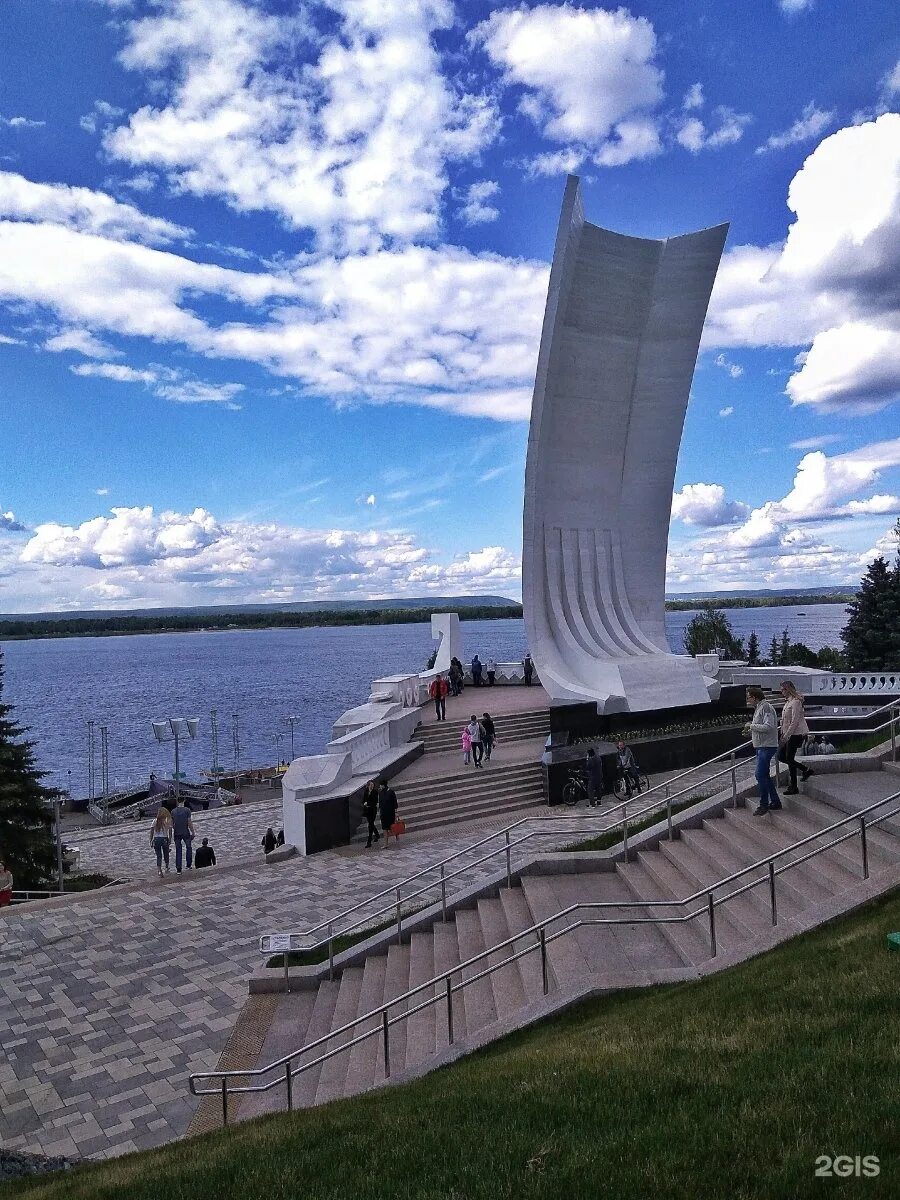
[618,349]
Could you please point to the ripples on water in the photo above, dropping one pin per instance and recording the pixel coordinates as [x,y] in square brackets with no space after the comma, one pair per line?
[264,676]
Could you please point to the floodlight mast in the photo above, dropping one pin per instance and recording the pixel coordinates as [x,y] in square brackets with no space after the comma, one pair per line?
[179,726]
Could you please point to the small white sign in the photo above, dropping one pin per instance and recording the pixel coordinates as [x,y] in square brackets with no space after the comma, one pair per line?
[276,943]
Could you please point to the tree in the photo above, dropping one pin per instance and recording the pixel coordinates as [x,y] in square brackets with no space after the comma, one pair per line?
[26,841]
[784,649]
[830,659]
[709,631]
[871,636]
[774,653]
[753,650]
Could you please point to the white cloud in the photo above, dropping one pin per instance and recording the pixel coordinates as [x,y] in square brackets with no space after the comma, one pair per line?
[166,383]
[475,208]
[693,98]
[890,84]
[9,524]
[731,368]
[706,504]
[80,341]
[795,6]
[130,537]
[81,209]
[345,132]
[101,491]
[6,340]
[856,363]
[590,77]
[728,128]
[20,123]
[102,114]
[117,372]
[816,443]
[812,122]
[727,411]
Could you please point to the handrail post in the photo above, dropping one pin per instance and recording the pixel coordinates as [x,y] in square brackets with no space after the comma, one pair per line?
[331,950]
[772,891]
[290,1085]
[711,905]
[893,720]
[545,979]
[449,1010]
[669,816]
[224,1099]
[287,978]
[864,847]
[387,1048]
[443,895]
[508,861]
[733,781]
[625,833]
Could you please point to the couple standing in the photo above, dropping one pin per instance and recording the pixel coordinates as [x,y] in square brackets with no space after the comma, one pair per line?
[179,822]
[768,741]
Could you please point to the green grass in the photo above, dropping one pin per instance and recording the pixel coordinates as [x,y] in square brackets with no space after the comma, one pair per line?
[613,837]
[729,1087]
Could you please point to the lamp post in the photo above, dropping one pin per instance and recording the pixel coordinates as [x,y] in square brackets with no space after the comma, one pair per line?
[277,739]
[179,727]
[290,721]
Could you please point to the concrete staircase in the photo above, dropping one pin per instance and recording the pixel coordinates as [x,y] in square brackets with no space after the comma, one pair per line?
[706,850]
[442,736]
[494,790]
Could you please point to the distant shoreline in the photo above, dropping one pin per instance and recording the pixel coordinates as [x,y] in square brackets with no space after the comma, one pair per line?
[31,628]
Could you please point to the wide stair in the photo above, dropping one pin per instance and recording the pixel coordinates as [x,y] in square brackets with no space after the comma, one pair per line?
[442,736]
[617,955]
[504,790]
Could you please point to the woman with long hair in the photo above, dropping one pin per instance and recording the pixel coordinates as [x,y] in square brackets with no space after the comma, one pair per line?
[794,730]
[161,837]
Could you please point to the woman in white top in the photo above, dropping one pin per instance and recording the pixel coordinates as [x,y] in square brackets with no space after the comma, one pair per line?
[794,731]
[763,730]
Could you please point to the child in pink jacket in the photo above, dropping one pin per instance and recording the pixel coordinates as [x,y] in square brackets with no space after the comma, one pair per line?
[467,746]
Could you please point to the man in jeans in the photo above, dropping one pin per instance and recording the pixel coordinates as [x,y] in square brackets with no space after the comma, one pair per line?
[183,826]
[763,730]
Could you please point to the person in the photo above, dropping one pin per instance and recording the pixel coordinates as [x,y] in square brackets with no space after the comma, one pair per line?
[161,836]
[810,745]
[466,746]
[279,841]
[268,842]
[460,674]
[476,737]
[490,734]
[823,746]
[627,768]
[794,730]
[491,673]
[6,885]
[387,808]
[370,811]
[594,770]
[183,825]
[528,668]
[438,693]
[763,730]
[476,671]
[205,856]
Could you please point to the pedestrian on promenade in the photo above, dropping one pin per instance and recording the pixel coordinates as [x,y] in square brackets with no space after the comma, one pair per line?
[476,671]
[269,841]
[387,808]
[528,669]
[466,746]
[370,811]
[279,840]
[763,730]
[794,730]
[491,673]
[454,676]
[6,885]
[459,674]
[205,856]
[823,746]
[476,737]
[183,825]
[490,734]
[593,768]
[438,693]
[161,837]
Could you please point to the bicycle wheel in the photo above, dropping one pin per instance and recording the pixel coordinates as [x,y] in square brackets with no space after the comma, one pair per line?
[571,793]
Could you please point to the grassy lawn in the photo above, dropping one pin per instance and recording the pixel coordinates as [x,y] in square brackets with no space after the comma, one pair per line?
[727,1089]
[613,837]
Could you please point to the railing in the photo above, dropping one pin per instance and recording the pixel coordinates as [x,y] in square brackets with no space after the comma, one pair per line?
[867,730]
[444,987]
[24,895]
[539,828]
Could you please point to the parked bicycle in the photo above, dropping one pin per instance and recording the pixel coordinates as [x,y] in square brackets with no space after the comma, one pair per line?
[575,788]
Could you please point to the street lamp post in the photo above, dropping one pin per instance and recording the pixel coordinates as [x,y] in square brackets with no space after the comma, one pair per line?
[179,727]
[291,721]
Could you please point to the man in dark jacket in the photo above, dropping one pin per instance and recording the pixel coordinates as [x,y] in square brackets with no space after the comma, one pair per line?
[205,856]
[387,805]
[595,785]
[490,734]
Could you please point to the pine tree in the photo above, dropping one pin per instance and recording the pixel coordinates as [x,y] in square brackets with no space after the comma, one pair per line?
[753,650]
[871,636]
[26,841]
[774,660]
[784,649]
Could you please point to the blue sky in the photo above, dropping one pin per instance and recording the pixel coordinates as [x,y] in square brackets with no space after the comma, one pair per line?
[272,276]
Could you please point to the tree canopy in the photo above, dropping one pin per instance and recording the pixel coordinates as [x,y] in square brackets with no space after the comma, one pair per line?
[871,636]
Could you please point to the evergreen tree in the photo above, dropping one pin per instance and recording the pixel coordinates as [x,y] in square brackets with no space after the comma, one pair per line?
[709,631]
[26,840]
[753,650]
[784,649]
[871,636]
[774,659]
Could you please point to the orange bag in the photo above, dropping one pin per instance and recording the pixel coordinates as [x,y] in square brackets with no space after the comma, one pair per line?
[397,828]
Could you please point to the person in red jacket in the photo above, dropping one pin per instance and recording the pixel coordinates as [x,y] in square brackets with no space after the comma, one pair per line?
[438,693]
[6,885]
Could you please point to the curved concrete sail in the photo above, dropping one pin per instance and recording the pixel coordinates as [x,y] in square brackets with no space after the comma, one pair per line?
[618,349]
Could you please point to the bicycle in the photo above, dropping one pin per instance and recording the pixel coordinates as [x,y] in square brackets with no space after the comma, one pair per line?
[625,789]
[575,788]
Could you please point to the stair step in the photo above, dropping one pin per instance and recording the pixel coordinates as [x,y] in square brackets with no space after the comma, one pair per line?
[880,844]
[478,998]
[286,1033]
[446,955]
[687,938]
[467,779]
[754,905]
[822,876]
[367,1059]
[668,874]
[396,982]
[420,1026]
[518,917]
[731,846]
[566,959]
[320,1022]
[744,919]
[499,797]
[506,982]
[334,1071]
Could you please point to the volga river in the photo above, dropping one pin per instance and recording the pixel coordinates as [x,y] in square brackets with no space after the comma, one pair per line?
[263,676]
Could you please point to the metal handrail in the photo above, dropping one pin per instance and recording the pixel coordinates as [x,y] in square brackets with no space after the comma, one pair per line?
[540,928]
[394,890]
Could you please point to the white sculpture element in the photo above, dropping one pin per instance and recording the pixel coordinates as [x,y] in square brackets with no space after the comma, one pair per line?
[446,627]
[619,343]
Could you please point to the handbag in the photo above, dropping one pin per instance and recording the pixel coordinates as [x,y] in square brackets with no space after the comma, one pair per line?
[397,828]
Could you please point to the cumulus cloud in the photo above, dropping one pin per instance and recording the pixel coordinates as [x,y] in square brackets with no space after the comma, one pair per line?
[475,207]
[706,504]
[20,123]
[129,537]
[589,77]
[810,124]
[9,524]
[345,131]
[80,341]
[731,368]
[693,97]
[118,372]
[726,128]
[102,114]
